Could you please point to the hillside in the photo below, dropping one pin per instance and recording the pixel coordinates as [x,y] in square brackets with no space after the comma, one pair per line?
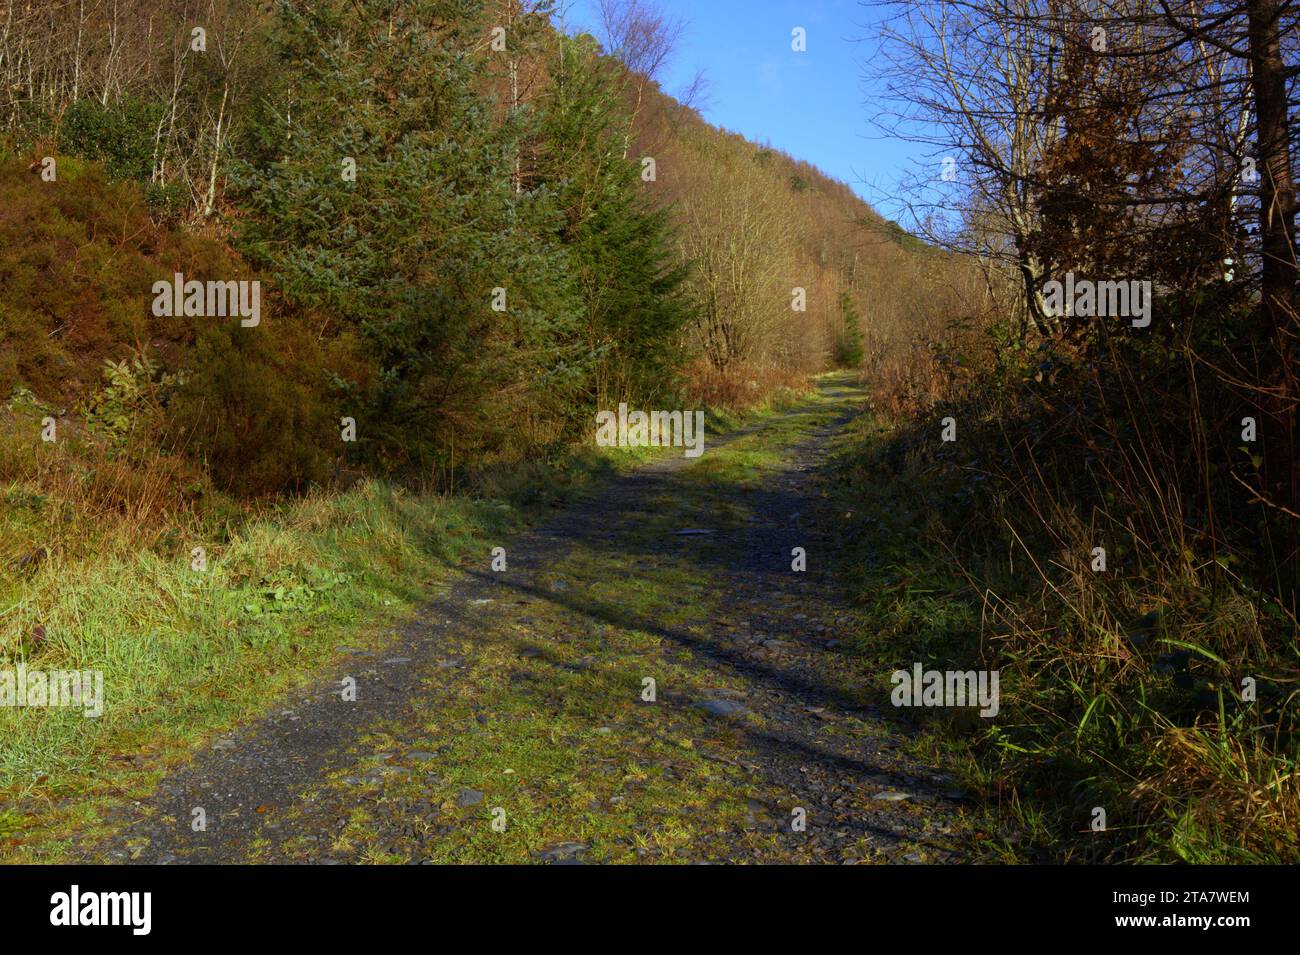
[386,242]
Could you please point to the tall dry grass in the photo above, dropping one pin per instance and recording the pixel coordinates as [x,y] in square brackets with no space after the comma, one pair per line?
[1123,686]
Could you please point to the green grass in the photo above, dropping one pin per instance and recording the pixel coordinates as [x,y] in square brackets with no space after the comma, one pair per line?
[570,754]
[188,654]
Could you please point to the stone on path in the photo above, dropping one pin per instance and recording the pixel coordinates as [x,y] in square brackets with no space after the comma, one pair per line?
[723,708]
[561,852]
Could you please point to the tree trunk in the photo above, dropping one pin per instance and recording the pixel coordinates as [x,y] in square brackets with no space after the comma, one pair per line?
[1277,212]
[1277,187]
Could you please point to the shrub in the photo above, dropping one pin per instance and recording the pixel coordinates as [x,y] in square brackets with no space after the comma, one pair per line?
[120,135]
[255,408]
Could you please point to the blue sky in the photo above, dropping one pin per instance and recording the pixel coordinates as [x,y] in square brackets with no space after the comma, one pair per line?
[812,105]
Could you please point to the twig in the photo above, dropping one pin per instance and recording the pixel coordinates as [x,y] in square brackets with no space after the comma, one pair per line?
[1261,498]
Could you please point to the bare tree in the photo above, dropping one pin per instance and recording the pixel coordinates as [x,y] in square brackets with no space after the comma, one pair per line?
[642,38]
[970,83]
[739,241]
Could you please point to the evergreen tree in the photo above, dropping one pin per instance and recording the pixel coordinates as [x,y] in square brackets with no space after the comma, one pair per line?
[630,282]
[409,250]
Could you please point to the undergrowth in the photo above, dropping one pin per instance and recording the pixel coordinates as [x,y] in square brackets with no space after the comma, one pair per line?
[1157,682]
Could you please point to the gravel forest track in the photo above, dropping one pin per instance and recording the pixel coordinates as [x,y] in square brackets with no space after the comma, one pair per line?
[508,721]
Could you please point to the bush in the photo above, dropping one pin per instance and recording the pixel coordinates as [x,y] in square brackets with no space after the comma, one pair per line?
[78,259]
[120,135]
[254,410]
[1122,685]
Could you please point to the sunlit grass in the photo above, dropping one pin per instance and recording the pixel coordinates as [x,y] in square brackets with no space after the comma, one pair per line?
[188,653]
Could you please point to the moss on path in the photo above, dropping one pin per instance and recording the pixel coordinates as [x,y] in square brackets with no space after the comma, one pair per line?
[513,720]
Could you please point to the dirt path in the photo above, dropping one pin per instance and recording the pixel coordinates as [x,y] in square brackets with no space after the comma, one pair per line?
[509,721]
